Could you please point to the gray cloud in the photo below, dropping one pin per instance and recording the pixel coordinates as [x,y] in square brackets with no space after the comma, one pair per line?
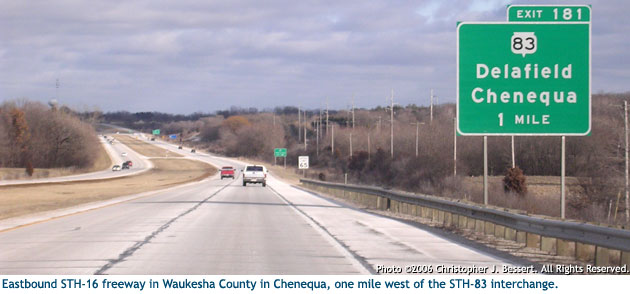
[185,56]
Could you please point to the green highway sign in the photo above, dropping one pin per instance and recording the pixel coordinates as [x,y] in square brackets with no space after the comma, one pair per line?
[280,152]
[519,78]
[156,132]
[549,13]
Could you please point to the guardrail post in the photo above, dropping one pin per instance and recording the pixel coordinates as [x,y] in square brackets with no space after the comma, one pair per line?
[448,219]
[489,228]
[602,257]
[533,240]
[565,248]
[521,237]
[548,244]
[510,234]
[462,221]
[479,226]
[625,258]
[499,231]
[585,252]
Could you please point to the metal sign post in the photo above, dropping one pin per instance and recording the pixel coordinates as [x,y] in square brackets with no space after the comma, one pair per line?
[580,14]
[303,164]
[530,76]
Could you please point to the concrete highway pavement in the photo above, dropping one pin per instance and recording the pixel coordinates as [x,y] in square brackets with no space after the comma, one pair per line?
[140,164]
[212,227]
[366,235]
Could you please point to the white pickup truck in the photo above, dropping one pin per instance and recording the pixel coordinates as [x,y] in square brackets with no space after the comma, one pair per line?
[255,174]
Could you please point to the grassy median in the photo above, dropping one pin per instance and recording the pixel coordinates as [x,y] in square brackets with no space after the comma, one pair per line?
[33,198]
[145,148]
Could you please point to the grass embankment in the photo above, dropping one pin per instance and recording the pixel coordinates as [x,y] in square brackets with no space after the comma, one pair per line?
[27,199]
[144,148]
[102,162]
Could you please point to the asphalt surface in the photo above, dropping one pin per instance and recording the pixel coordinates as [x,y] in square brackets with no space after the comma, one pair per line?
[220,227]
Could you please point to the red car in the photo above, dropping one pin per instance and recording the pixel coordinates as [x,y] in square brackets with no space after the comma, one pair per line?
[227,172]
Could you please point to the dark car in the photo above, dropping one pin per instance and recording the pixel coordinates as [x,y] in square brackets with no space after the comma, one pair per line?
[127,164]
[193,151]
[180,147]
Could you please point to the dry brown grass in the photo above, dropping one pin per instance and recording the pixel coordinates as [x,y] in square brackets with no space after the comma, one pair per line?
[145,148]
[27,199]
[102,162]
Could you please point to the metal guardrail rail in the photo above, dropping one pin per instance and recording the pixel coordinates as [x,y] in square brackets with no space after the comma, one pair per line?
[608,237]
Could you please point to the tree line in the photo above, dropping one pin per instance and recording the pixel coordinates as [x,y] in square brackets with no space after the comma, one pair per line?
[34,135]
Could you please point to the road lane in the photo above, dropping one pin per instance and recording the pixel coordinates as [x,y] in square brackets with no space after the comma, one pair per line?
[241,230]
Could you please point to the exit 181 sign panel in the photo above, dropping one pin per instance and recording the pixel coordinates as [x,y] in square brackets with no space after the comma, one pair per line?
[523,78]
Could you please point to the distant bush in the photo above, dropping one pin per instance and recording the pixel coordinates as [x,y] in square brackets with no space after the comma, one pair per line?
[514,181]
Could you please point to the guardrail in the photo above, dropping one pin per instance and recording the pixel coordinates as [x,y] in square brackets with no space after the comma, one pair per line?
[591,243]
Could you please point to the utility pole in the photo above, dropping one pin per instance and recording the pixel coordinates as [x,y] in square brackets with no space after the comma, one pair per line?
[562,181]
[513,156]
[57,89]
[305,132]
[625,110]
[332,140]
[326,116]
[369,151]
[318,126]
[431,108]
[417,127]
[320,123]
[350,144]
[392,126]
[455,146]
[353,112]
[299,125]
[485,170]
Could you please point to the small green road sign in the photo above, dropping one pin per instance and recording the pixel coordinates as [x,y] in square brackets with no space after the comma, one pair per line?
[280,152]
[156,132]
[518,78]
[549,13]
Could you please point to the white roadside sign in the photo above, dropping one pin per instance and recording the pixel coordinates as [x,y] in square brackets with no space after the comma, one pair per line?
[303,162]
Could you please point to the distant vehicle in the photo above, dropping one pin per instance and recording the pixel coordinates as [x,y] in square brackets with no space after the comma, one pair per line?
[227,172]
[116,167]
[180,147]
[124,154]
[193,151]
[129,163]
[255,174]
[152,139]
[126,165]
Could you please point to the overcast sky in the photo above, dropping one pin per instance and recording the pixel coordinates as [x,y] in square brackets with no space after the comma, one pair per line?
[199,55]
